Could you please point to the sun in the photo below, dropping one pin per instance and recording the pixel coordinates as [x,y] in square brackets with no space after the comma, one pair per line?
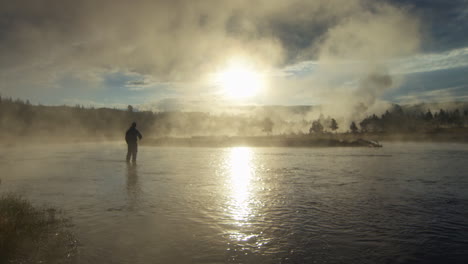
[239,80]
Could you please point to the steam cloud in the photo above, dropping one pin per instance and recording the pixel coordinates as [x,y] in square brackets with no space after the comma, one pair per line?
[179,41]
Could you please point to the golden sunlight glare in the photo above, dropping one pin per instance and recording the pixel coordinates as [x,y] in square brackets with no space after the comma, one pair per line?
[239,165]
[239,81]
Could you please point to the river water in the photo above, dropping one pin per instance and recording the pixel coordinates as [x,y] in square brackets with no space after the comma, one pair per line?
[403,203]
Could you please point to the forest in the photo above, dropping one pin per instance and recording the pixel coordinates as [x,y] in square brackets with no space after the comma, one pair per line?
[22,119]
[397,120]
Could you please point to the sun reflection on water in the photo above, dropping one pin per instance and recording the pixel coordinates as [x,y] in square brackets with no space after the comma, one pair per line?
[241,172]
[243,205]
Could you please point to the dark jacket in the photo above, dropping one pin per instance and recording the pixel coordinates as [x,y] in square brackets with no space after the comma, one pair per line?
[131,135]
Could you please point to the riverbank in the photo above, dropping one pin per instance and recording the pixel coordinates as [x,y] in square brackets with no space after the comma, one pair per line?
[361,139]
[314,140]
[263,141]
[33,235]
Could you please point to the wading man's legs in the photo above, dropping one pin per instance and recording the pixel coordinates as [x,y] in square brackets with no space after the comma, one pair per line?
[132,152]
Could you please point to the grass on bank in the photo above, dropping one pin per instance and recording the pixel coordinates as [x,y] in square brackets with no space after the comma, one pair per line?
[33,235]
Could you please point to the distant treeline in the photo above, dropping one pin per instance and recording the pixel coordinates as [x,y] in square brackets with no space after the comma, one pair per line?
[20,118]
[397,120]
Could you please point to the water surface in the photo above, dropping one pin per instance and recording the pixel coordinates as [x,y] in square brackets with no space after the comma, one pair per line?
[404,203]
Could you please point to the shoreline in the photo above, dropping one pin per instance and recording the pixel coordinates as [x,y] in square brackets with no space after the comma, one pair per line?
[302,140]
[260,141]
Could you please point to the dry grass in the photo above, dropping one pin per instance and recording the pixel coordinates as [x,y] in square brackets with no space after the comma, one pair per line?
[32,235]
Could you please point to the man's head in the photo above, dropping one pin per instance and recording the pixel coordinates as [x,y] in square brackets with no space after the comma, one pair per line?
[134,124]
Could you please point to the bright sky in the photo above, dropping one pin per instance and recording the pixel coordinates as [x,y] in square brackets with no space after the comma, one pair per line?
[190,55]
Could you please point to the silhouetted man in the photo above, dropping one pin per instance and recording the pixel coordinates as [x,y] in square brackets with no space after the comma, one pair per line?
[131,137]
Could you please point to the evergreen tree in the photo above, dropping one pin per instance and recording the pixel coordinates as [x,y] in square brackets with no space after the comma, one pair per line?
[353,127]
[428,116]
[267,125]
[316,127]
[333,125]
[456,118]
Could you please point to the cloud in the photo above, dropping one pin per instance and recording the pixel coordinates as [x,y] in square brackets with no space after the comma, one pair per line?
[374,36]
[350,73]
[445,23]
[179,42]
[185,105]
[431,62]
[440,95]
[141,83]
